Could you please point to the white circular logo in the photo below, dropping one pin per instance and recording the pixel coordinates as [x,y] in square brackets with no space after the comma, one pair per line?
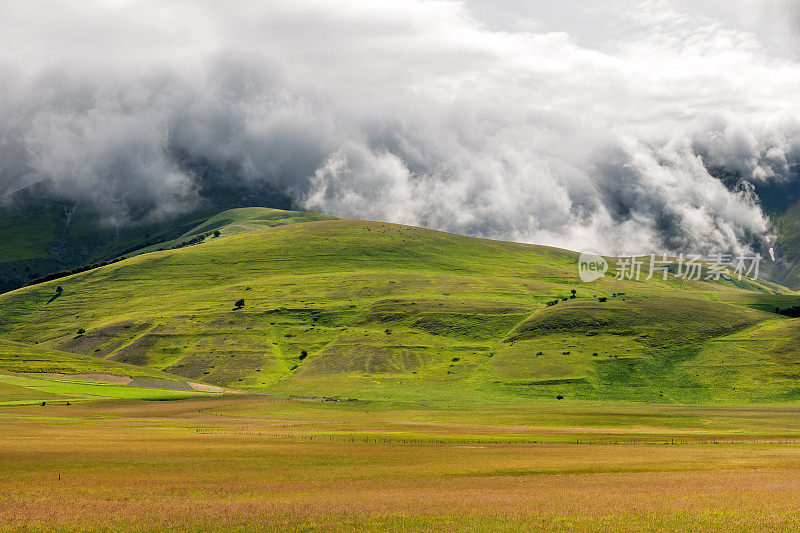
[591,267]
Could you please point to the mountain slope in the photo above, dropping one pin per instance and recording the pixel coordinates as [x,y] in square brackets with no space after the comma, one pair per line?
[787,246]
[33,374]
[371,310]
[235,221]
[43,232]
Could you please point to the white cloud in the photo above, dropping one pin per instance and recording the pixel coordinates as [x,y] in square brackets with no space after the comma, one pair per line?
[567,125]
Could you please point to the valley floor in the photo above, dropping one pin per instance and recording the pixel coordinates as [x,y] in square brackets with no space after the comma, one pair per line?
[269,463]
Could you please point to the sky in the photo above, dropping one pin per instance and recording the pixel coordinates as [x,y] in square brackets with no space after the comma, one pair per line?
[582,125]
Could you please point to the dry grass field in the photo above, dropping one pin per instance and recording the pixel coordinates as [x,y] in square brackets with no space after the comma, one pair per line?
[258,463]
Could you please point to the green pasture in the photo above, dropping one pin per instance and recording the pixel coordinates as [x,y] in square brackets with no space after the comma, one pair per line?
[376,311]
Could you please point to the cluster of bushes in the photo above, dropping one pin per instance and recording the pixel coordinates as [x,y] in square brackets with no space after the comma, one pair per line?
[194,240]
[605,298]
[572,296]
[792,312]
[197,239]
[65,273]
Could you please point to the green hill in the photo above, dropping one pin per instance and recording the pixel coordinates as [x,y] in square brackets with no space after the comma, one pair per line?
[235,221]
[348,308]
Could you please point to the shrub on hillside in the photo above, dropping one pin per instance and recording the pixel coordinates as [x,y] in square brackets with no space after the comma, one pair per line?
[602,299]
[791,312]
[303,355]
[239,303]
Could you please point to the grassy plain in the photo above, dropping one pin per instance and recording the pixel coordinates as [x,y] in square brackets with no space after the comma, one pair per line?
[250,463]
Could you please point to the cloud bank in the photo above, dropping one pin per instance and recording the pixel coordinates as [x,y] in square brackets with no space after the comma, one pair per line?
[644,126]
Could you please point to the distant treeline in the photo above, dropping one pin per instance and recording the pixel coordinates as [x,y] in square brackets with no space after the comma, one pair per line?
[65,273]
[197,239]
